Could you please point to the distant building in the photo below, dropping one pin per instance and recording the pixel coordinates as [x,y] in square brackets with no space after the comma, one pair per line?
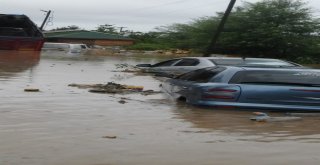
[87,37]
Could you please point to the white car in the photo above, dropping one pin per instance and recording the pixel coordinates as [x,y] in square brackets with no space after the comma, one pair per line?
[64,48]
[178,66]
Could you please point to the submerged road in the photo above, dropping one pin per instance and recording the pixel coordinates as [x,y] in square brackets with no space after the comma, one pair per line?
[63,125]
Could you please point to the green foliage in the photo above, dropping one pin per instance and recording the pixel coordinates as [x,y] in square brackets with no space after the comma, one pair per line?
[269,28]
[148,46]
[107,28]
[151,37]
[71,27]
[194,35]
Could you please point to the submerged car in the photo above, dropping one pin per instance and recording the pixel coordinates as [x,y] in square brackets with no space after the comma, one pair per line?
[179,66]
[244,87]
[64,48]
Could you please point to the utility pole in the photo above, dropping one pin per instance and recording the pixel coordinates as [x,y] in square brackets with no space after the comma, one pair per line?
[219,29]
[45,19]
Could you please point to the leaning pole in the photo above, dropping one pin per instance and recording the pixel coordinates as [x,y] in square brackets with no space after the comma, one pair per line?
[45,19]
[212,44]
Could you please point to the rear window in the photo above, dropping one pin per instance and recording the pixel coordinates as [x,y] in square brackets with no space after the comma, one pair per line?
[201,75]
[251,62]
[188,62]
[165,63]
[277,77]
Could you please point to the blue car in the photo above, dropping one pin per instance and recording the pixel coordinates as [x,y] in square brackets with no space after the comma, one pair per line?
[249,88]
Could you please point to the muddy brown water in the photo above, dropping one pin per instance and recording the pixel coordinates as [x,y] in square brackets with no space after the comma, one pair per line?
[62,125]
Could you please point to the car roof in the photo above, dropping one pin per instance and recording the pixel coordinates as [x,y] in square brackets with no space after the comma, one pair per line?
[235,58]
[230,58]
[268,69]
[255,64]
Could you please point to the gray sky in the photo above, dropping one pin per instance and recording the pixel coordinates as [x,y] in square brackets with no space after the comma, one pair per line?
[137,15]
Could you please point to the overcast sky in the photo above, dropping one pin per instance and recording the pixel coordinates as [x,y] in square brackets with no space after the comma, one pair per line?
[137,15]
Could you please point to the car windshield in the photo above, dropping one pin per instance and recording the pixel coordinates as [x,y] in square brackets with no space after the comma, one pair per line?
[201,75]
[251,62]
[307,78]
[166,63]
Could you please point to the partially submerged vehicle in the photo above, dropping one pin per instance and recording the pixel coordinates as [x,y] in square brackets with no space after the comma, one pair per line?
[249,88]
[18,32]
[64,48]
[179,66]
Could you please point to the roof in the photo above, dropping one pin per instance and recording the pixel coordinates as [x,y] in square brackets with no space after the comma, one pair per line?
[248,68]
[83,34]
[14,15]
[235,58]
[248,62]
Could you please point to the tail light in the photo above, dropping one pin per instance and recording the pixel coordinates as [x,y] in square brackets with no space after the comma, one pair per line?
[222,93]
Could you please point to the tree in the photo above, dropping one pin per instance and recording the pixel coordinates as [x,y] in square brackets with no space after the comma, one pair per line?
[270,28]
[194,35]
[71,27]
[107,28]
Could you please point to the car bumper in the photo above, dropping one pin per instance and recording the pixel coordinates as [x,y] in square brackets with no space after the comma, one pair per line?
[271,107]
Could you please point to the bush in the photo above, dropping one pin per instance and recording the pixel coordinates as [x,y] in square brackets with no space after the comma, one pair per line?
[148,46]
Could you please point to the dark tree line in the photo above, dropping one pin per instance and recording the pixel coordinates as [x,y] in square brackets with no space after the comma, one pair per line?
[271,28]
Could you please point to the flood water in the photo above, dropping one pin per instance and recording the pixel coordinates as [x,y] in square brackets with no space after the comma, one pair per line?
[63,125]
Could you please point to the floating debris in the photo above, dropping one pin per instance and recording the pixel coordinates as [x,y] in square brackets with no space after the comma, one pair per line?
[32,90]
[114,88]
[263,117]
[132,87]
[85,86]
[149,92]
[127,68]
[109,137]
[122,101]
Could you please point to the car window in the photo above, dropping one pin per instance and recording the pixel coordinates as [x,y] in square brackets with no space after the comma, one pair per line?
[277,77]
[83,46]
[166,63]
[10,31]
[201,75]
[75,46]
[188,62]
